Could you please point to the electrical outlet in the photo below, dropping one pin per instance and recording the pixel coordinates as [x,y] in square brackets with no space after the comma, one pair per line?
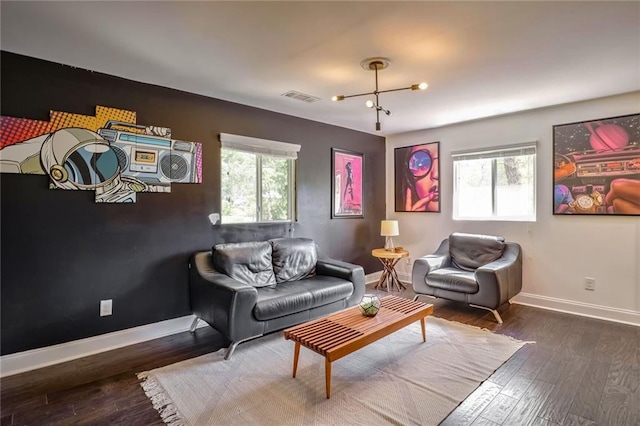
[106,307]
[589,283]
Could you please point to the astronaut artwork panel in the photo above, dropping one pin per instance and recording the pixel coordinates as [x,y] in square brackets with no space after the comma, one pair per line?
[597,167]
[107,153]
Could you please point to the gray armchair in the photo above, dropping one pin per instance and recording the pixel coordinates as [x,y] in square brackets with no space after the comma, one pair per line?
[481,270]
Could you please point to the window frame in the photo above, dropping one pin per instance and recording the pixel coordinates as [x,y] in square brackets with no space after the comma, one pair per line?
[264,148]
[494,154]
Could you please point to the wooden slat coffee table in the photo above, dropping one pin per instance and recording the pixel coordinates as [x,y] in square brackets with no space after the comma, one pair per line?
[344,332]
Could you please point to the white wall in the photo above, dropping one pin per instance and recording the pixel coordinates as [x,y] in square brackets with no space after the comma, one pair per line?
[558,251]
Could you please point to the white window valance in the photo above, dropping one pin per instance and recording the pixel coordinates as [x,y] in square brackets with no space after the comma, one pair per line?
[528,148]
[259,146]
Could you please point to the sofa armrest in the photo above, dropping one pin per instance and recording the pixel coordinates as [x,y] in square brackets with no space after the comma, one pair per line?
[502,277]
[223,302]
[346,271]
[425,264]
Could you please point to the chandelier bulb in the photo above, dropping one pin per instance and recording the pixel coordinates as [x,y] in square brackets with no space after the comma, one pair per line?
[369,104]
[338,98]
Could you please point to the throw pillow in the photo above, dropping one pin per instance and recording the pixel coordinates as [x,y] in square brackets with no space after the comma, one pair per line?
[294,258]
[250,262]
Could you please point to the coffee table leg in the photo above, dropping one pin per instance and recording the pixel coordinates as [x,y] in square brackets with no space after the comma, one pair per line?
[296,354]
[424,333]
[327,376]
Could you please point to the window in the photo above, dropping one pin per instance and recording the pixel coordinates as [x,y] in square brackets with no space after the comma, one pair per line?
[496,184]
[257,180]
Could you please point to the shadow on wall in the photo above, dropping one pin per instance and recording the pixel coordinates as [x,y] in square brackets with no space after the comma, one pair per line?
[238,233]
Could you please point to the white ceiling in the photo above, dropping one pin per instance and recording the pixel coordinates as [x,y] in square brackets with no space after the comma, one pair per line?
[479,58]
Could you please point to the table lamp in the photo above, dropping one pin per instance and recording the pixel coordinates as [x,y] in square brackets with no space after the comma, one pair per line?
[389,228]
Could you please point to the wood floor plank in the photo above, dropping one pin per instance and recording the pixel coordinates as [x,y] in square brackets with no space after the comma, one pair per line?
[557,405]
[508,370]
[553,369]
[573,420]
[142,414]
[469,410]
[542,422]
[499,409]
[480,421]
[590,389]
[519,383]
[50,414]
[526,410]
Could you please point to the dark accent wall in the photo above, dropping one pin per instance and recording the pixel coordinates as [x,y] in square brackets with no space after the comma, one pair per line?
[61,253]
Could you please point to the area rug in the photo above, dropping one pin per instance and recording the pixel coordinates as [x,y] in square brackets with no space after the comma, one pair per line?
[396,380]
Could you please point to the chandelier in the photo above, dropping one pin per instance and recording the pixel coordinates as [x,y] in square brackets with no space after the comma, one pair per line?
[376,64]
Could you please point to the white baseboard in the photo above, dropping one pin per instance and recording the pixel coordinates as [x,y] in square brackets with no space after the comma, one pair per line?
[375,276]
[624,316]
[42,357]
[372,278]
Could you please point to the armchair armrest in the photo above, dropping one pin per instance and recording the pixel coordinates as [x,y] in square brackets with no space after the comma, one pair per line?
[223,302]
[425,264]
[502,277]
[346,271]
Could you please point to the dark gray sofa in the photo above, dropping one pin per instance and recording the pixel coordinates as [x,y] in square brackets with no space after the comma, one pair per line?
[245,290]
[481,270]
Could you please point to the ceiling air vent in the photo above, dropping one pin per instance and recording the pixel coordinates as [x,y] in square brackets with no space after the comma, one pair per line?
[294,94]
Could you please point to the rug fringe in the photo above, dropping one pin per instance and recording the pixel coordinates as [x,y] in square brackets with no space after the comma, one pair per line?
[513,339]
[160,400]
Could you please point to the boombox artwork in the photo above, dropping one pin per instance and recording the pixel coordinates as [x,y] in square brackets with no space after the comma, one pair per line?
[597,167]
[107,153]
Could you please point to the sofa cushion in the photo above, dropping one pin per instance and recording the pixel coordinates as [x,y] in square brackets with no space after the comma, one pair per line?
[293,258]
[296,296]
[280,300]
[325,289]
[471,251]
[250,262]
[453,279]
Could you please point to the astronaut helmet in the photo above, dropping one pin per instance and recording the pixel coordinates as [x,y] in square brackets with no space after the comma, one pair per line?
[78,158]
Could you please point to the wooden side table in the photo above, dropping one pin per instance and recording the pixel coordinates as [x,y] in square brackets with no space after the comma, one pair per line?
[389,259]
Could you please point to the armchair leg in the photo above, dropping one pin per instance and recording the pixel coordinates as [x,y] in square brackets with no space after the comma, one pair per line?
[194,324]
[232,347]
[493,311]
[425,295]
[497,315]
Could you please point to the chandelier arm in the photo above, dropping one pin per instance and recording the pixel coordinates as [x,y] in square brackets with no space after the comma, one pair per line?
[359,94]
[394,90]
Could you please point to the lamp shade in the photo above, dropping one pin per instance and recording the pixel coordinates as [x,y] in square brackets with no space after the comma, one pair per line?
[389,228]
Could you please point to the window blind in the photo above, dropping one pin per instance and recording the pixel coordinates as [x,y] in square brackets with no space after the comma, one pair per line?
[259,146]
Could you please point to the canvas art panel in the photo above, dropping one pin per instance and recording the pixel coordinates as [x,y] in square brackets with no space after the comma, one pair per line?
[597,167]
[347,170]
[417,178]
[108,153]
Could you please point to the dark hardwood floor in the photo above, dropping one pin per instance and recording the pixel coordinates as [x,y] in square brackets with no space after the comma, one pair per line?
[580,371]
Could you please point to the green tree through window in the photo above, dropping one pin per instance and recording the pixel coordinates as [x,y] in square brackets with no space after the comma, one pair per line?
[256,187]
